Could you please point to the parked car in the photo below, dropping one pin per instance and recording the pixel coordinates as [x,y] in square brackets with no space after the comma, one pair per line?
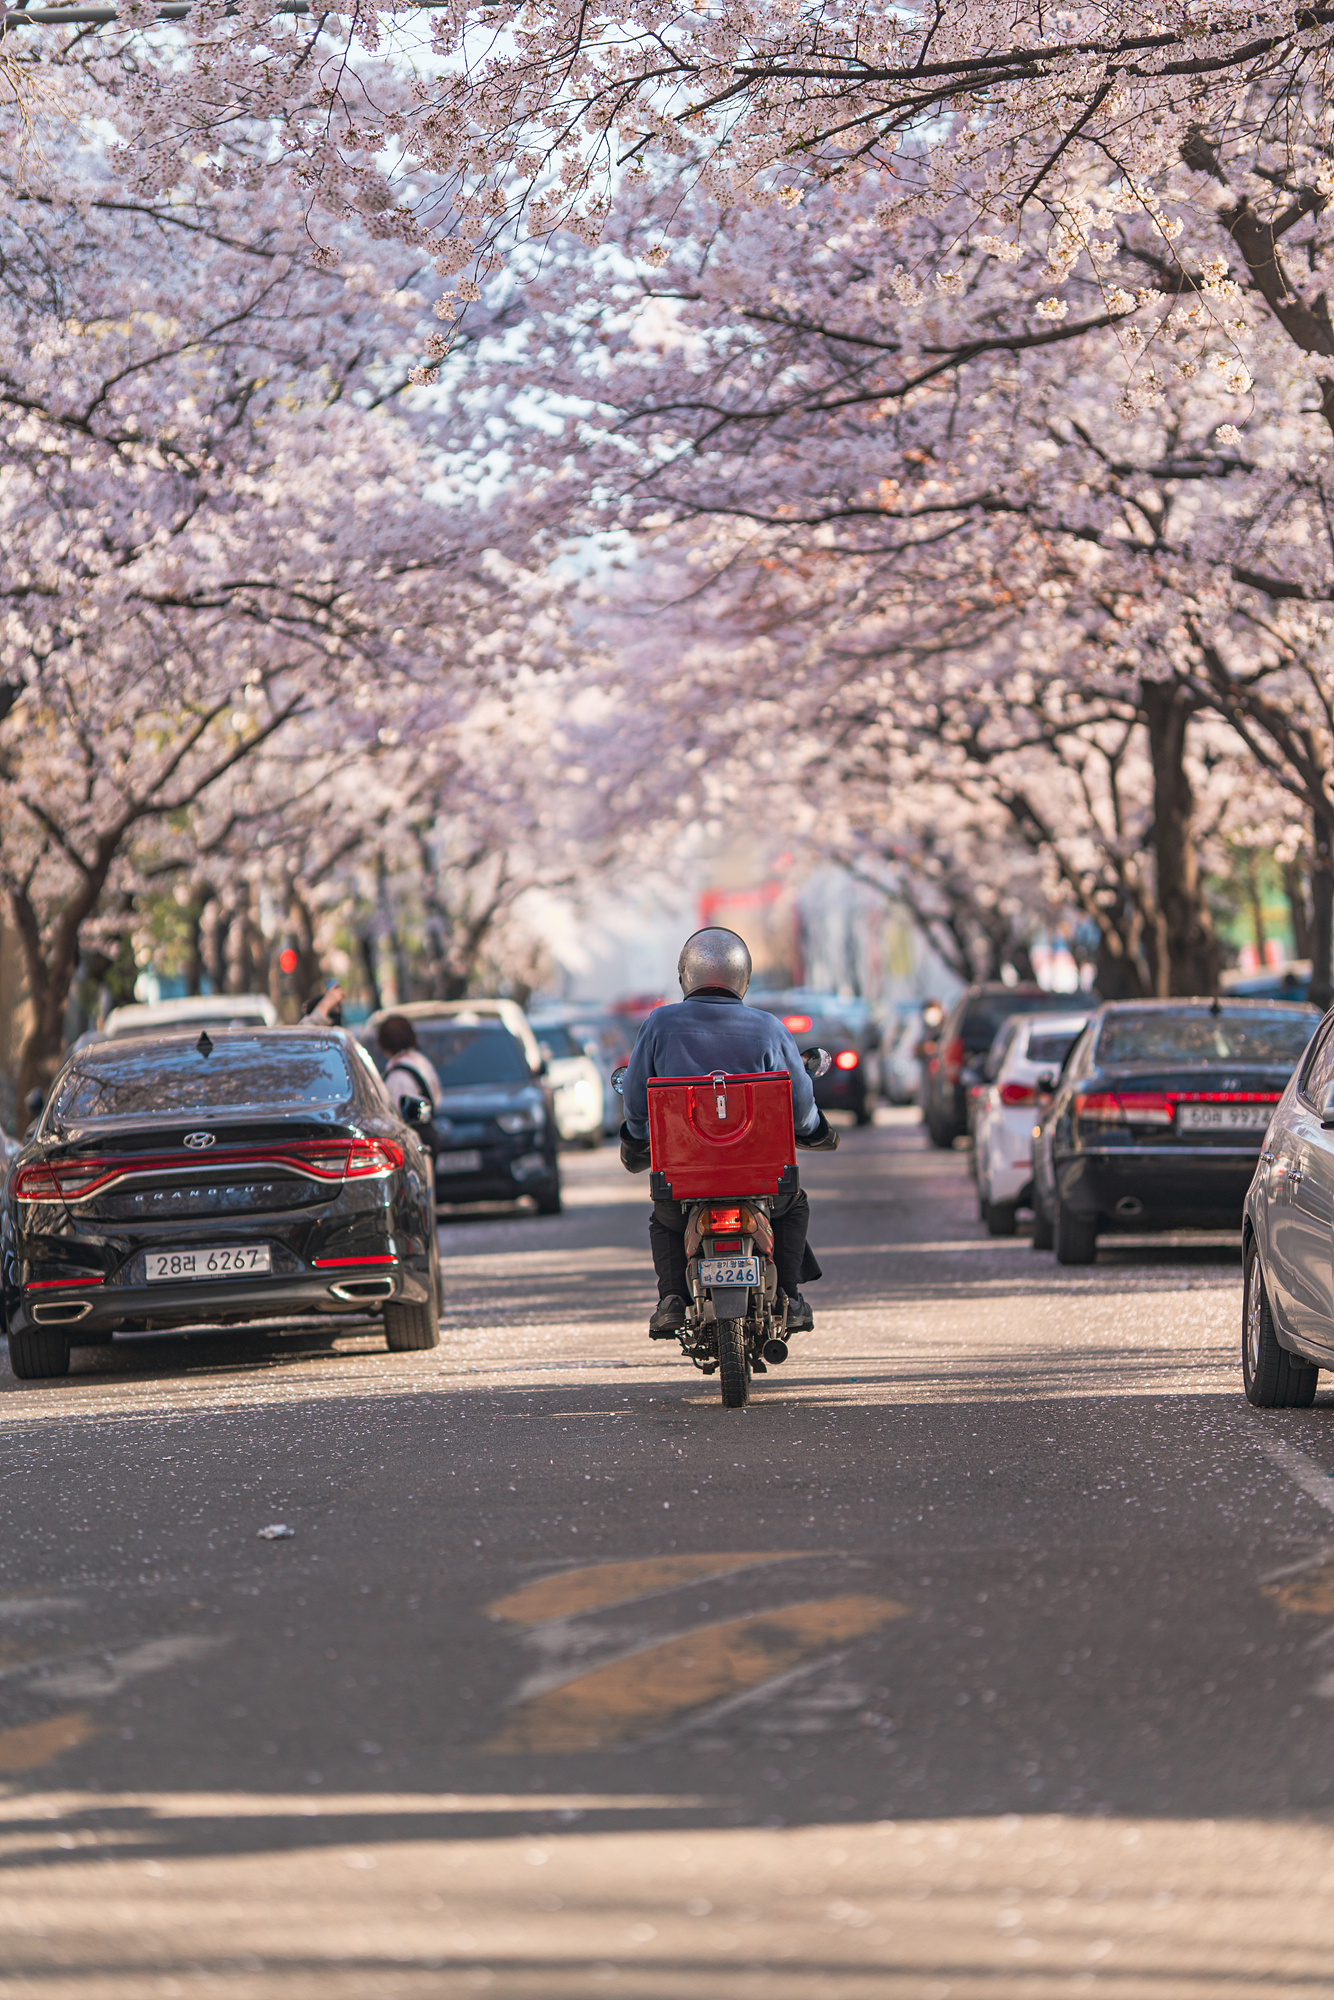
[847,1085]
[1028,1049]
[494,1130]
[1160,1115]
[1290,981]
[900,1065]
[1287,1322]
[266,1176]
[605,1037]
[968,1032]
[576,1084]
[190,1013]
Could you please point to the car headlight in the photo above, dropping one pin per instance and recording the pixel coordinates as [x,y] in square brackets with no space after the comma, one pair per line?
[531,1120]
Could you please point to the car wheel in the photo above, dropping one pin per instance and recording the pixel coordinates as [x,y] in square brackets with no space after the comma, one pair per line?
[591,1141]
[548,1201]
[38,1354]
[1001,1218]
[1042,1229]
[1075,1237]
[939,1136]
[1273,1378]
[407,1327]
[863,1114]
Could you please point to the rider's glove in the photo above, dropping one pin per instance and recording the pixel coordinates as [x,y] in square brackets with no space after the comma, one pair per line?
[824,1139]
[634,1152]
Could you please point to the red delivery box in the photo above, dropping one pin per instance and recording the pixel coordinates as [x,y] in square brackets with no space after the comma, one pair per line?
[721,1135]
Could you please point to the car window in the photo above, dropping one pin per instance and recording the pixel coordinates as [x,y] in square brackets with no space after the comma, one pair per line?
[559,1043]
[983,1014]
[1051,1050]
[1318,1070]
[1154,1035]
[473,1054]
[998,1051]
[175,1079]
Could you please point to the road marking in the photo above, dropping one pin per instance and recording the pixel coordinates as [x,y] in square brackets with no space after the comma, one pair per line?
[1311,1594]
[574,1590]
[1303,1471]
[36,1743]
[93,1678]
[227,1806]
[637,1695]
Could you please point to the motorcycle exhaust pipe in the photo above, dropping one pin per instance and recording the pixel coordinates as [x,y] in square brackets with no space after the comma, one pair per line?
[775,1351]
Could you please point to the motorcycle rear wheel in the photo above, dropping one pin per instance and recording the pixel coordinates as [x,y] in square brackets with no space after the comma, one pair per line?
[733,1363]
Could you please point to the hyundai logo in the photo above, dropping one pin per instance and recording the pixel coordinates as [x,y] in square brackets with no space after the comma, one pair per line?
[199,1140]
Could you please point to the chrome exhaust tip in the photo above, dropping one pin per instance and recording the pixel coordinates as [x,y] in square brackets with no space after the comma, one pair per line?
[356,1291]
[64,1314]
[775,1351]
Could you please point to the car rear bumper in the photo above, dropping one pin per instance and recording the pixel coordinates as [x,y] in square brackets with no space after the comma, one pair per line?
[228,1301]
[503,1178]
[1166,1187]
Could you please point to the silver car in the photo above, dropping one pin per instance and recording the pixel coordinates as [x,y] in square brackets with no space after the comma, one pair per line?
[1288,1240]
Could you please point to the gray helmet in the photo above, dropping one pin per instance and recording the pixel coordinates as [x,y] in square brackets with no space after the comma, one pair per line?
[714,958]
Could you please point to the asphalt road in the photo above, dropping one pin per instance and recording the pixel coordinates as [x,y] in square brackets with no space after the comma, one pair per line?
[990,1652]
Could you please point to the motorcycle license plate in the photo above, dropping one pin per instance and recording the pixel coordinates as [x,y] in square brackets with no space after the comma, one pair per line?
[729,1270]
[1223,1117]
[234,1261]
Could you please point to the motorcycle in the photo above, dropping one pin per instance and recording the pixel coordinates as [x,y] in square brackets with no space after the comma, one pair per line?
[724,1147]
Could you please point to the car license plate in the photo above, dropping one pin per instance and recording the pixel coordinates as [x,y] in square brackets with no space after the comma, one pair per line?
[458,1163]
[231,1261]
[729,1270]
[1223,1117]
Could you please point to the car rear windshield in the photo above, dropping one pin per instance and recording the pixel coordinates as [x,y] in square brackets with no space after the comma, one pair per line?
[173,1079]
[1201,1036]
[464,1055]
[559,1043]
[982,1016]
[1052,1048]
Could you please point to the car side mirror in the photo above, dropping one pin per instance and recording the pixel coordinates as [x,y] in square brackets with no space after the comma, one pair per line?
[618,1078]
[1327,1106]
[816,1062]
[415,1110]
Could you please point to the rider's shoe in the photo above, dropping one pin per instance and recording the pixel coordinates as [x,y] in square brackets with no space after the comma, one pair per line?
[669,1318]
[800,1318]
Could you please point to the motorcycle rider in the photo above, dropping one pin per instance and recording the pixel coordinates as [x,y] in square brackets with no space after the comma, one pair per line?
[710,1029]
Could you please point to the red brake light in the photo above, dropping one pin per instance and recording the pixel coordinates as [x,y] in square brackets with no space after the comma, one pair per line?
[1099,1107]
[61,1284]
[1146,1107]
[846,1059]
[724,1218]
[367,1157]
[954,1054]
[327,1263]
[798,1024]
[1018,1093]
[36,1184]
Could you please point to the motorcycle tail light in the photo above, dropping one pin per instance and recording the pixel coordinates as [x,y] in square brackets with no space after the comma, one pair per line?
[724,1218]
[1018,1093]
[797,1024]
[846,1059]
[367,1157]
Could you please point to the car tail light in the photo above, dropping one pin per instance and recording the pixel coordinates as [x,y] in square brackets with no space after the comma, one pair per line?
[1018,1093]
[1099,1107]
[61,1284]
[368,1157]
[61,1180]
[1146,1107]
[954,1055]
[724,1218]
[328,1263]
[846,1059]
[797,1024]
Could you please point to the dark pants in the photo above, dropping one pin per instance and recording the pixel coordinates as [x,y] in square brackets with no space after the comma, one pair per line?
[791,1216]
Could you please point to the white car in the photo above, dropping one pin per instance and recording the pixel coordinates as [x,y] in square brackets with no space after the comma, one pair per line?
[576,1083]
[199,1010]
[1027,1049]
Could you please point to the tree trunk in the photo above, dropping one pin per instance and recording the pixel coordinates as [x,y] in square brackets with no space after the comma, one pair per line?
[1299,907]
[1322,911]
[1189,957]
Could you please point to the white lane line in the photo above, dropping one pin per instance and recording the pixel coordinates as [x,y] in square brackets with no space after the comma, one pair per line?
[1303,1471]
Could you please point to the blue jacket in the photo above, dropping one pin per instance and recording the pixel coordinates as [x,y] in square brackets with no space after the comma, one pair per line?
[708,1032]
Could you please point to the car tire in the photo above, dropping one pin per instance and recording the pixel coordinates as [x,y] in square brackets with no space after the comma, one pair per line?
[408,1327]
[39,1354]
[1001,1218]
[864,1113]
[591,1141]
[548,1201]
[1075,1237]
[939,1136]
[1042,1229]
[1272,1378]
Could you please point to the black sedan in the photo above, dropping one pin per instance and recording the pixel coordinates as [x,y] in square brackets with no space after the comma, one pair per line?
[847,1084]
[259,1175]
[494,1136]
[1159,1117]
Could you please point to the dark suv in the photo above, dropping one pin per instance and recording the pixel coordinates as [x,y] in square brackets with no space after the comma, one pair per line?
[969,1030]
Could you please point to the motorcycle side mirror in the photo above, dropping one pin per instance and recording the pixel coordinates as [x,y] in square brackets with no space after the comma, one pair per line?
[816,1062]
[415,1110]
[618,1078]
